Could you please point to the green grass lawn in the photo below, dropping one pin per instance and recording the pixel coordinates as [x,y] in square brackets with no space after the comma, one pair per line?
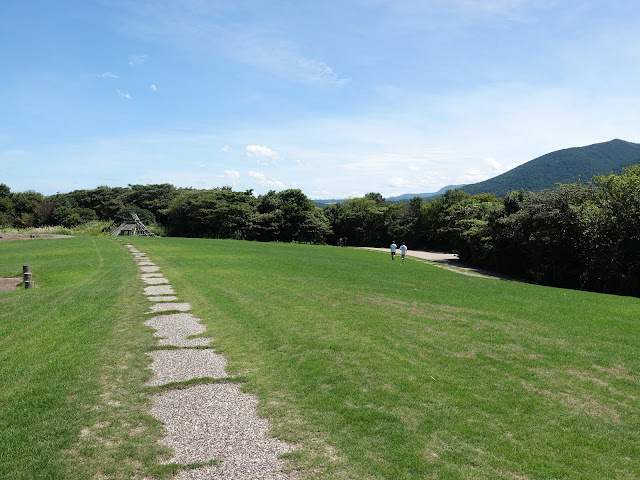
[375,369]
[72,364]
[379,369]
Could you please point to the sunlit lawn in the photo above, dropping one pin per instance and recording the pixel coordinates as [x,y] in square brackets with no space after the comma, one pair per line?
[373,368]
[72,364]
[379,369]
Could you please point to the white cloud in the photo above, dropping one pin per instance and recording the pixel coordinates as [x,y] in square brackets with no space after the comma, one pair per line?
[261,151]
[107,75]
[231,174]
[226,149]
[273,184]
[472,176]
[493,163]
[398,182]
[154,88]
[124,95]
[263,181]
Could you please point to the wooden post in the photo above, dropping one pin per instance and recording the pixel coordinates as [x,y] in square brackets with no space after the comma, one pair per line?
[27,278]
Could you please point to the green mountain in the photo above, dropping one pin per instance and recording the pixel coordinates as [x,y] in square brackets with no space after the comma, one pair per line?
[571,165]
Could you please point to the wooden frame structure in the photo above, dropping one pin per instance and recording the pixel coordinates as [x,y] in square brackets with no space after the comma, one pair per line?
[133,227]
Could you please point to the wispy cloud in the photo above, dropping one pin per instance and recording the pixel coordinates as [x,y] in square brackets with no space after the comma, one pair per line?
[107,75]
[231,174]
[263,181]
[493,163]
[257,175]
[153,88]
[397,182]
[226,149]
[137,59]
[284,59]
[126,96]
[193,25]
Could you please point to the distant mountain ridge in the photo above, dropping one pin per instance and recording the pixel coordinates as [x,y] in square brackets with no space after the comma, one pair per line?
[399,198]
[409,196]
[570,165]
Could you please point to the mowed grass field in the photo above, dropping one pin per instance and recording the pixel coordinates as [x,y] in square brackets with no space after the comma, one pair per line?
[374,369]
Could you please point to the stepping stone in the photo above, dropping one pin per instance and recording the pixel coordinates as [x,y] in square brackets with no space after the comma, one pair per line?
[159,290]
[155,281]
[167,307]
[151,275]
[167,298]
[146,263]
[181,365]
[149,268]
[173,329]
[218,421]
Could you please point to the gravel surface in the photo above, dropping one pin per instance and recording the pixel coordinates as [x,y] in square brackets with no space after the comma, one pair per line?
[159,290]
[185,364]
[210,421]
[173,329]
[149,268]
[218,421]
[155,281]
[7,284]
[447,261]
[166,298]
[152,275]
[167,307]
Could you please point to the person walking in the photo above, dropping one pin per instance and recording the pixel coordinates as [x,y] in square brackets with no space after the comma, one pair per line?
[393,250]
[403,250]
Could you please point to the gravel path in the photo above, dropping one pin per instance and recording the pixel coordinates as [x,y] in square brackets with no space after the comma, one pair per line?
[448,261]
[184,364]
[170,306]
[174,329]
[216,422]
[219,421]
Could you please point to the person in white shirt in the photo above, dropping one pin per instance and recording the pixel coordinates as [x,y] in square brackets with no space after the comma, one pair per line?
[393,250]
[403,250]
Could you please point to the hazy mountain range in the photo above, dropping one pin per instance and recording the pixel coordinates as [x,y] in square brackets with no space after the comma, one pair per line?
[570,165]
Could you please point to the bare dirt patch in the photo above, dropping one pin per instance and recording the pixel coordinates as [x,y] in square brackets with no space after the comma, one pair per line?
[7,237]
[7,284]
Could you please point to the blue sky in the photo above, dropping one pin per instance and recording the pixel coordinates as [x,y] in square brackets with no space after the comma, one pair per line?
[337,98]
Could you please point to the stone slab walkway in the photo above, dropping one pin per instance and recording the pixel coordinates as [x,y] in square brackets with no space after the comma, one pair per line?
[210,421]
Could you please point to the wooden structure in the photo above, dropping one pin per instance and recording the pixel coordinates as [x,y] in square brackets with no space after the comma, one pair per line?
[133,227]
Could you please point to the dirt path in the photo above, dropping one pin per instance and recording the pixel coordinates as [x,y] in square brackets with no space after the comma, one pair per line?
[8,237]
[448,261]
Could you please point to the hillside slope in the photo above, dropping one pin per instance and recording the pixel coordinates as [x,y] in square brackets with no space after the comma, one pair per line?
[570,165]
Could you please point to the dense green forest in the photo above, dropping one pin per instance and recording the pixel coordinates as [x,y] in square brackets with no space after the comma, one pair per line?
[571,165]
[584,236]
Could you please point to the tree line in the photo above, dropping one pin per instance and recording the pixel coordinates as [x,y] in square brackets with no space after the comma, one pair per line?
[582,236]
